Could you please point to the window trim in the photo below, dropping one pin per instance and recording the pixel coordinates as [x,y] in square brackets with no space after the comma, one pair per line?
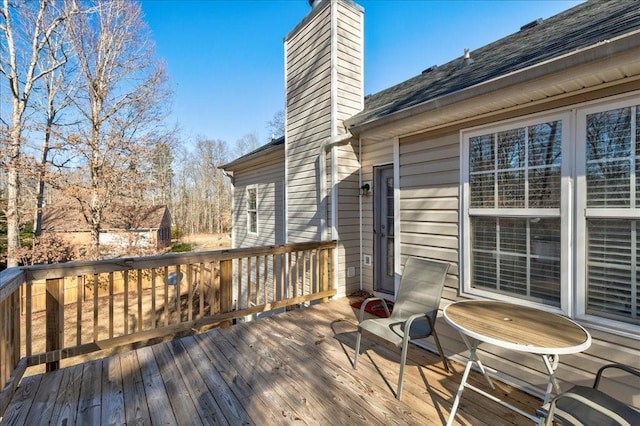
[564,212]
[249,211]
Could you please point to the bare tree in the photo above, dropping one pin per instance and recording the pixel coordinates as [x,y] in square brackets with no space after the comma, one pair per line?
[57,89]
[26,30]
[121,100]
[276,125]
[246,144]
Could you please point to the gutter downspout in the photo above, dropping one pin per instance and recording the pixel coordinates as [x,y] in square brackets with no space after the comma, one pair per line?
[360,208]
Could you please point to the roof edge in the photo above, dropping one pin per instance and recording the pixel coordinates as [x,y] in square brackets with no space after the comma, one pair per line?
[579,57]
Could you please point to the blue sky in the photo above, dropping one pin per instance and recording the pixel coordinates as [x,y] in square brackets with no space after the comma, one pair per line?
[225,58]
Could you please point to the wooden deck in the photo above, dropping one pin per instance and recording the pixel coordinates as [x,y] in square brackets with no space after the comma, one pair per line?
[293,368]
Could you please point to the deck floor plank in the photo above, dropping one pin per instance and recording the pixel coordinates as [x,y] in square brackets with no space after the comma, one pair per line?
[136,407]
[89,404]
[112,393]
[160,412]
[290,368]
[205,403]
[182,404]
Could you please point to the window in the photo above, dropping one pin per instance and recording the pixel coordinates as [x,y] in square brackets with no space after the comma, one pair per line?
[514,211]
[252,210]
[551,212]
[610,200]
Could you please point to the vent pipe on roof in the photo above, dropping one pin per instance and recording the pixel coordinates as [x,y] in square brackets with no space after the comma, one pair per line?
[466,57]
[314,3]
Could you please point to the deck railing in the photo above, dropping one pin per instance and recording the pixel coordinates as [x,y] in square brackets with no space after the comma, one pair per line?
[52,312]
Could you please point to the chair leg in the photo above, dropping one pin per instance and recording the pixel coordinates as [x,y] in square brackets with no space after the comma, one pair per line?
[444,359]
[403,361]
[355,357]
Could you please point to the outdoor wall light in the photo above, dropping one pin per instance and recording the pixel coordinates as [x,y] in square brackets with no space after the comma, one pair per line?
[364,189]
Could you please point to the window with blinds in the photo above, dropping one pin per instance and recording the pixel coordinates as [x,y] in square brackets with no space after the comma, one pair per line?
[514,212]
[612,214]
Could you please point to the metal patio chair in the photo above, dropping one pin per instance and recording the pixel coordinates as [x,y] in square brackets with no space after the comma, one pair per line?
[414,312]
[582,405]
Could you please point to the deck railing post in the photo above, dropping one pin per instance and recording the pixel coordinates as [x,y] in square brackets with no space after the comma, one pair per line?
[226,288]
[55,311]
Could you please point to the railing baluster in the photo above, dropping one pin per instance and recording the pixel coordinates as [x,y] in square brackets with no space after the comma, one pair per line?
[189,292]
[95,307]
[125,283]
[240,273]
[304,270]
[176,293]
[265,277]
[166,295]
[28,327]
[201,292]
[154,314]
[79,294]
[282,276]
[214,289]
[249,283]
[110,305]
[140,295]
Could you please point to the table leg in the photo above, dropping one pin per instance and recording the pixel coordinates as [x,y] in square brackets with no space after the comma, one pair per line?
[465,376]
[551,363]
[475,358]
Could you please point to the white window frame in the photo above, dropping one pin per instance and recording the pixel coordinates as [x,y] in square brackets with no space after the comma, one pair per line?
[581,209]
[564,212]
[249,211]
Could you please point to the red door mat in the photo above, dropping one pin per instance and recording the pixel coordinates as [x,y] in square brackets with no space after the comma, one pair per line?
[375,307]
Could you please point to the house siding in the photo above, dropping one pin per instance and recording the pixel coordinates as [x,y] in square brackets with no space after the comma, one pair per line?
[268,178]
[429,222]
[348,222]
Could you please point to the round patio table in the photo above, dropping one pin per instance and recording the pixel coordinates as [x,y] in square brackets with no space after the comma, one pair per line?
[518,328]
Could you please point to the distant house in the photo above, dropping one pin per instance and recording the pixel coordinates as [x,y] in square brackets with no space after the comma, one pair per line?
[518,163]
[124,226]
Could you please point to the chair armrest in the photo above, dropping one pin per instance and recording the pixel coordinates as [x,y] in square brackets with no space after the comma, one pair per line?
[407,326]
[587,402]
[617,366]
[372,299]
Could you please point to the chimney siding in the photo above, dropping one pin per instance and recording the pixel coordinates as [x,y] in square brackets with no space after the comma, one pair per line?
[324,86]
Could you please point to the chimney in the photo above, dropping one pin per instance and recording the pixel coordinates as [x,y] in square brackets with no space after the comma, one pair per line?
[323,87]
